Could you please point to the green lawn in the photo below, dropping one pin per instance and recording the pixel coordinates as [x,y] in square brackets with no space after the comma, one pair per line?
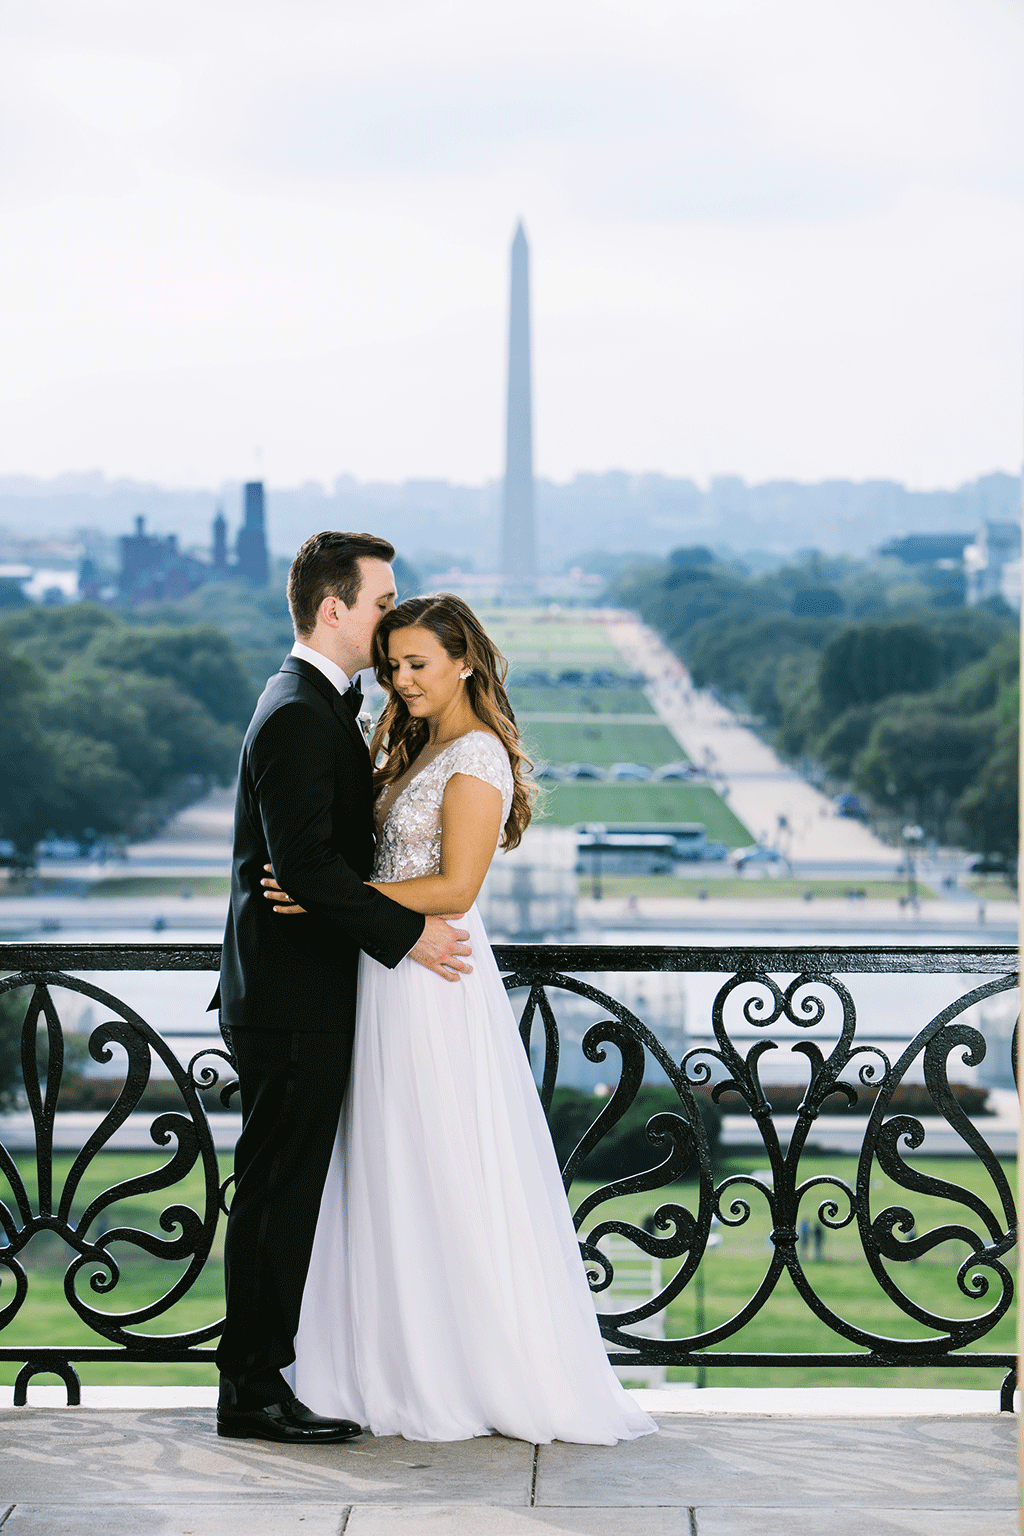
[992,887]
[717,886]
[162,885]
[732,1272]
[566,804]
[601,744]
[536,638]
[580,701]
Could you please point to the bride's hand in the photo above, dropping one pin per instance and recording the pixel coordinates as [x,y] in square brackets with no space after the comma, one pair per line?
[273,892]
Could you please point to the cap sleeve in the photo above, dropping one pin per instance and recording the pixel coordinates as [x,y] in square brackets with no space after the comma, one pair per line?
[482,756]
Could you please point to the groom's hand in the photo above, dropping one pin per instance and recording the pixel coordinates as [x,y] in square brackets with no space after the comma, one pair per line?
[273,892]
[440,947]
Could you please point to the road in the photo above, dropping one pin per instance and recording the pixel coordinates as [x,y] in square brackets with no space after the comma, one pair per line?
[779,807]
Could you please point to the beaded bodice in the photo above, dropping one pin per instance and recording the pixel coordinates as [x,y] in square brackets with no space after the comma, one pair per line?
[409,839]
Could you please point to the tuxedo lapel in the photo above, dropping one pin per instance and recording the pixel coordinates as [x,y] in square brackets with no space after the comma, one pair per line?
[327,690]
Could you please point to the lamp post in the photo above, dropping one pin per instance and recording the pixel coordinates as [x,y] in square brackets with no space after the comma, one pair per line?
[913,837]
[597,829]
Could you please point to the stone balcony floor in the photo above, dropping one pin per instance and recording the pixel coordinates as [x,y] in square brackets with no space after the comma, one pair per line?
[818,1462]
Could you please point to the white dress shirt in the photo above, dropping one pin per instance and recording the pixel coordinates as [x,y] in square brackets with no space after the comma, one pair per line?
[324,664]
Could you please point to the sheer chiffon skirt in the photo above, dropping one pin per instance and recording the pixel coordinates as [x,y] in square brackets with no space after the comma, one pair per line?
[446,1296]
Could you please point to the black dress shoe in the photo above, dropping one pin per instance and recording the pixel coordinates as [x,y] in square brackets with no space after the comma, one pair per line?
[289,1423]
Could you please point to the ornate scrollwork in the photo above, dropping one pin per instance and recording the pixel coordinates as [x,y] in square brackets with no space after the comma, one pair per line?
[889,1237]
[835,1069]
[893,1228]
[683,1131]
[188,1233]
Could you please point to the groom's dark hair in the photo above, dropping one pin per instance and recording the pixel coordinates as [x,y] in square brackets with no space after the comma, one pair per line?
[327,565]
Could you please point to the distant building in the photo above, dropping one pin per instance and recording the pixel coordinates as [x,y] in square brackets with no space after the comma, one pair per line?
[154,569]
[992,564]
[252,561]
[220,543]
[13,580]
[937,560]
[926,548]
[518,530]
[90,580]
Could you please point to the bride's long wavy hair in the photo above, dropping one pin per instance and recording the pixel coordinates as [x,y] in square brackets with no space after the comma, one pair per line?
[402,737]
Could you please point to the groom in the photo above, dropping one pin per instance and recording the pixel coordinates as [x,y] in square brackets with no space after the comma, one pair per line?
[287,991]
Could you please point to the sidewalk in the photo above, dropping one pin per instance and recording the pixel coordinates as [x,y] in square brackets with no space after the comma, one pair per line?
[760,786]
[931,922]
[163,1472]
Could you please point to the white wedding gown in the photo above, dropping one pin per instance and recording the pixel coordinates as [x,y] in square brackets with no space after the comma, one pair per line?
[446,1295]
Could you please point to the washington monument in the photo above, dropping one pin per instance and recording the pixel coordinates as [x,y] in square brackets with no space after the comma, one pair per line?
[518,533]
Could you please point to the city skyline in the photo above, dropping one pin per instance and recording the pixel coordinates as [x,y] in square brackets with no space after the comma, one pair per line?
[460,524]
[271,244]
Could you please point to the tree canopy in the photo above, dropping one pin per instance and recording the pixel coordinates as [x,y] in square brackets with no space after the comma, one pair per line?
[867,662]
[110,726]
[863,668]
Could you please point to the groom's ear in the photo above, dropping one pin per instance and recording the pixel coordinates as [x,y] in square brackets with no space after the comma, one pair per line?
[330,610]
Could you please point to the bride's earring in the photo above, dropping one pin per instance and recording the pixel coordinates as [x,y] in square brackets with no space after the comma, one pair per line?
[467,673]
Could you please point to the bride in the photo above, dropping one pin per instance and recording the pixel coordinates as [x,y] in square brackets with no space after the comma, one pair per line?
[446,1296]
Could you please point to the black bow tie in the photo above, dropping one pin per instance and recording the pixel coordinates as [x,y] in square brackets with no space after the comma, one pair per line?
[353,697]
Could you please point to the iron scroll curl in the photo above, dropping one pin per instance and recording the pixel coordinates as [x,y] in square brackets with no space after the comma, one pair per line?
[765,997]
[185,1234]
[728,1071]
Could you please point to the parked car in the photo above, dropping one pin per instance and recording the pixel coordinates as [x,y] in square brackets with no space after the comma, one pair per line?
[582,771]
[771,858]
[713,852]
[12,858]
[546,771]
[849,806]
[629,772]
[673,771]
[991,864]
[53,847]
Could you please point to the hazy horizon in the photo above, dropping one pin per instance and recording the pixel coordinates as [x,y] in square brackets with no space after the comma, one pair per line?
[579,519]
[98,479]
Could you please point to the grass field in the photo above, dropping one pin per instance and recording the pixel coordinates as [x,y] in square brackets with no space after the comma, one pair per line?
[536,638]
[566,804]
[601,744]
[732,1272]
[162,885]
[580,701]
[992,887]
[721,886]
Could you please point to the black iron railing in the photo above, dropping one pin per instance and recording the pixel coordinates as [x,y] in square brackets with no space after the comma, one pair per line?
[763,989]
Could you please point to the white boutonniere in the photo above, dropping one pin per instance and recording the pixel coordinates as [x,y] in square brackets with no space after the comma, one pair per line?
[365,723]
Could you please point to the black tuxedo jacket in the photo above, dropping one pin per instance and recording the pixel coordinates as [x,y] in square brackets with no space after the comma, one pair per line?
[304,805]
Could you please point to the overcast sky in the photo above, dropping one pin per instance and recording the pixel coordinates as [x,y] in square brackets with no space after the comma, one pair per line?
[775,239]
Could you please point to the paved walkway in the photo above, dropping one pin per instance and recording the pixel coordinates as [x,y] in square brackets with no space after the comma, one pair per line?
[994,922]
[163,1472]
[760,787]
